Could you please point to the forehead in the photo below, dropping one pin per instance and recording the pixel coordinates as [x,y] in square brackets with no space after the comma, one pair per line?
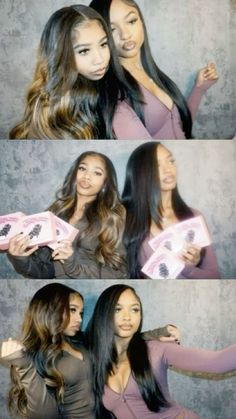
[94,161]
[128,297]
[120,9]
[88,32]
[162,153]
[76,300]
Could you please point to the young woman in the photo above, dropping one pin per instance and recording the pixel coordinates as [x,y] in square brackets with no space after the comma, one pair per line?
[166,114]
[50,367]
[77,82]
[153,203]
[130,374]
[89,201]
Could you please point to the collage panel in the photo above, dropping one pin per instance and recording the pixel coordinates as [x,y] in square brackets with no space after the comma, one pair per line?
[191,192]
[203,311]
[190,42]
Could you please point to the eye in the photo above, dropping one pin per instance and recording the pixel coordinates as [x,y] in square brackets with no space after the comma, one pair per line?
[104,44]
[172,160]
[82,168]
[73,310]
[136,310]
[98,173]
[117,309]
[84,51]
[133,21]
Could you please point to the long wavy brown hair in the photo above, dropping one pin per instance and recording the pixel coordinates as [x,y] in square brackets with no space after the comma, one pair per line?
[105,215]
[46,316]
[61,103]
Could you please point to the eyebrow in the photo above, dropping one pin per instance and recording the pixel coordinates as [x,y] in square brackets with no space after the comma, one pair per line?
[128,14]
[74,305]
[88,44]
[95,167]
[135,304]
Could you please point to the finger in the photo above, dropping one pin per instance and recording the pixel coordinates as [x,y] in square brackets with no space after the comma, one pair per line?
[31,250]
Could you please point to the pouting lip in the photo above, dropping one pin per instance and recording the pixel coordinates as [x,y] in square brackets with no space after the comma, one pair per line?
[129,45]
[84,184]
[168,179]
[125,326]
[99,71]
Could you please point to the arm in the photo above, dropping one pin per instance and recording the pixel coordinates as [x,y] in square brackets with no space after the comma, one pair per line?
[37,265]
[200,360]
[206,77]
[127,125]
[39,400]
[168,333]
[206,269]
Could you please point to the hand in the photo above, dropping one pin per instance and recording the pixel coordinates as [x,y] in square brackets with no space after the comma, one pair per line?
[191,254]
[174,335]
[19,246]
[207,76]
[63,251]
[10,346]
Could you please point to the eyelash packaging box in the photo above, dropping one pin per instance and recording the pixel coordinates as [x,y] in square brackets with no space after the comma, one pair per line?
[9,227]
[63,231]
[41,228]
[163,264]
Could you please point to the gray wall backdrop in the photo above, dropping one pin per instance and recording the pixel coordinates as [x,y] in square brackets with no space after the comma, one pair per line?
[203,310]
[184,36]
[32,171]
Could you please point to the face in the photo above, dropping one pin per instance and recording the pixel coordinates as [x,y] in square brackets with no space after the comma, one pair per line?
[76,313]
[91,176]
[127,315]
[127,29]
[91,50]
[167,169]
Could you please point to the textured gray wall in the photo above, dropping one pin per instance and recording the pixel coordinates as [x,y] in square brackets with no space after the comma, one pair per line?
[32,171]
[203,310]
[184,36]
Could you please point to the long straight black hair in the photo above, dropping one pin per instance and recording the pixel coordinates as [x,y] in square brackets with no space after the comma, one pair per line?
[149,65]
[142,200]
[100,340]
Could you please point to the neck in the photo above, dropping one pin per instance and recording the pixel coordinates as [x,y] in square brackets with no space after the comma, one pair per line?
[121,347]
[166,200]
[132,64]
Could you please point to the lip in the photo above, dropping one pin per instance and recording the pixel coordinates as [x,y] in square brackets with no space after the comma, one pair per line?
[76,326]
[126,327]
[129,45]
[84,184]
[169,179]
[99,72]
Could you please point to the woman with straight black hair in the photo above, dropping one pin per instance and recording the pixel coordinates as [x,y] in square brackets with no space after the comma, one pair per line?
[89,201]
[166,114]
[153,203]
[131,374]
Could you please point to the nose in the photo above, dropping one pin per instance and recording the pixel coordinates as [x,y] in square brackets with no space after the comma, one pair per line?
[126,315]
[87,175]
[97,57]
[124,33]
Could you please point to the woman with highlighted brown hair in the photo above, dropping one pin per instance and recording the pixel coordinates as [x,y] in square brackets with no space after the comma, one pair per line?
[51,374]
[78,80]
[89,201]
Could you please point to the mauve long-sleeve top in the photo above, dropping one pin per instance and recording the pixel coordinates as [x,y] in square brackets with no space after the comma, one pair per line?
[206,269]
[130,405]
[160,122]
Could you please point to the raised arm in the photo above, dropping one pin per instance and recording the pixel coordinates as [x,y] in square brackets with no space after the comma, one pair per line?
[200,360]
[168,333]
[206,77]
[40,403]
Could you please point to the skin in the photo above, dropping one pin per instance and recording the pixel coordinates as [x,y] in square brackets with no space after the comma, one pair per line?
[190,254]
[128,36]
[91,50]
[76,312]
[90,179]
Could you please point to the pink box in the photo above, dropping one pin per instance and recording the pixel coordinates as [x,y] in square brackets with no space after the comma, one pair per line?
[167,238]
[63,231]
[9,227]
[194,231]
[163,264]
[40,227]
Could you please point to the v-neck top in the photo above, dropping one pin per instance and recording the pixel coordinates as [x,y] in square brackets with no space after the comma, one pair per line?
[160,121]
[78,392]
[130,405]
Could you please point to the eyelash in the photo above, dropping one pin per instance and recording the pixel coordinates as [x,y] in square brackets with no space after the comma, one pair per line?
[133,21]
[136,310]
[83,51]
[73,310]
